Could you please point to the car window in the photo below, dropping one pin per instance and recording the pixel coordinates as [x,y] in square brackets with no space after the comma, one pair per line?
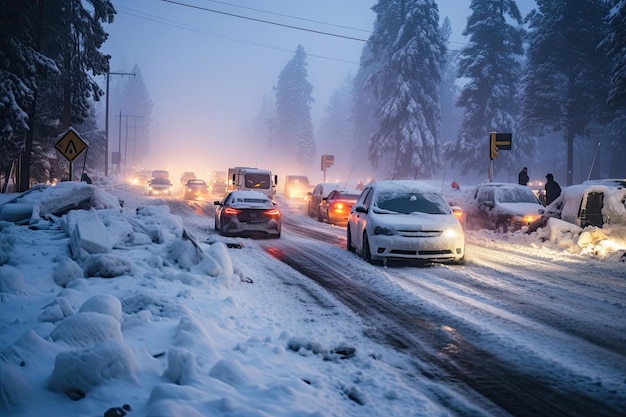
[367,198]
[407,203]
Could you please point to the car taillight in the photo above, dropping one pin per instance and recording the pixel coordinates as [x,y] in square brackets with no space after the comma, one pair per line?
[231,211]
[272,212]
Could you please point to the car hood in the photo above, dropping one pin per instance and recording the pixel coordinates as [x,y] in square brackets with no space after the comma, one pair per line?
[415,221]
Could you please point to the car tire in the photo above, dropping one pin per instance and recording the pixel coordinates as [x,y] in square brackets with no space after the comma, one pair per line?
[215,226]
[349,246]
[366,253]
[319,215]
[501,228]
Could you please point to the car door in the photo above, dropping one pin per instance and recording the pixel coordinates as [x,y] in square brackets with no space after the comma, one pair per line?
[591,210]
[314,201]
[358,221]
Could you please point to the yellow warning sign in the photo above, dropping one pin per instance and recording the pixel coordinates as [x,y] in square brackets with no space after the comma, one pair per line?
[71,144]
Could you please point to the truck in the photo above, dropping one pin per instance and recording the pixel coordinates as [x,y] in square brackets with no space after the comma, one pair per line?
[255,179]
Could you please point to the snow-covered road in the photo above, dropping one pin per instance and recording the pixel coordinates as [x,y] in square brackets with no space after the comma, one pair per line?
[522,328]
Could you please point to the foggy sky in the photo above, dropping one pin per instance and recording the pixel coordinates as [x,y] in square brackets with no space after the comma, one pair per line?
[207,72]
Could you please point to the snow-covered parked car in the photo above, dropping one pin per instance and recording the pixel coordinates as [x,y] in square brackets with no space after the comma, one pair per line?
[406,220]
[593,203]
[503,207]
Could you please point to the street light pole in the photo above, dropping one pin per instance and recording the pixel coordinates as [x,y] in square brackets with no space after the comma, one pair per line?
[106,121]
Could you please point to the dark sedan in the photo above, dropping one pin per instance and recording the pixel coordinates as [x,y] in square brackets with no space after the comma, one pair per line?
[247,213]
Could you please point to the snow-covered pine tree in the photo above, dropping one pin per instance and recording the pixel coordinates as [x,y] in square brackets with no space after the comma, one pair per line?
[565,81]
[491,65]
[408,52]
[613,45]
[293,109]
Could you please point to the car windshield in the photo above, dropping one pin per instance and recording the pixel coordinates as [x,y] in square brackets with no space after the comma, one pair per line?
[407,203]
[258,181]
[196,182]
[160,181]
[515,195]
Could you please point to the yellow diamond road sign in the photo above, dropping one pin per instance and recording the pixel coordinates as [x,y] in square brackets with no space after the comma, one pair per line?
[71,144]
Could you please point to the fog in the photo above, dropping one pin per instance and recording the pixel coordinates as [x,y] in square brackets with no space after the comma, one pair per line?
[208,71]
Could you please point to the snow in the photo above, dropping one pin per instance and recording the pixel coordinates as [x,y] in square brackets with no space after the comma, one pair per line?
[163,325]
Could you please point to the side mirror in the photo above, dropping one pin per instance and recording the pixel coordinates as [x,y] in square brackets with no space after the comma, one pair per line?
[217,203]
[360,208]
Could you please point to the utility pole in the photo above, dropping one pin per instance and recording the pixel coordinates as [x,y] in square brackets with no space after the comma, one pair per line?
[106,121]
[119,146]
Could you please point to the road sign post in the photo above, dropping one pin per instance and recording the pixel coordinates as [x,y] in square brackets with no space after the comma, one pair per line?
[497,142]
[327,161]
[70,145]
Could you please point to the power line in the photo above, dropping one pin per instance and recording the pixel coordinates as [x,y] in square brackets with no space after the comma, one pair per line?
[291,17]
[265,21]
[173,23]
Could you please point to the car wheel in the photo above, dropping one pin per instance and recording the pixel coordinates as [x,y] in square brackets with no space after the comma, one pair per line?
[501,227]
[349,246]
[366,253]
[319,215]
[215,225]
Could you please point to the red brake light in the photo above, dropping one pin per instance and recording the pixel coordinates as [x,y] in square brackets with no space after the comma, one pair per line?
[231,211]
[273,212]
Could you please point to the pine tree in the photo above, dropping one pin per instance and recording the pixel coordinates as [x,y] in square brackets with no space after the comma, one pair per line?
[69,34]
[336,127]
[613,45]
[490,63]
[565,83]
[293,110]
[20,63]
[409,46]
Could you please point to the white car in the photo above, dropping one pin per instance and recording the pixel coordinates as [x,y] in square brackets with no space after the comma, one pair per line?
[406,220]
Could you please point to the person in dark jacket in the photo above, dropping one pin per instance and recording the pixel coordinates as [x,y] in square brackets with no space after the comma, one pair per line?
[523,177]
[553,190]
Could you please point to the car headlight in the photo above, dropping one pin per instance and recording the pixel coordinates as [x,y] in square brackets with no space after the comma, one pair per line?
[383,230]
[450,233]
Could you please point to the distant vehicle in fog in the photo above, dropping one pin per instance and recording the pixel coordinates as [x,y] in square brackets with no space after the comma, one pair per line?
[247,213]
[161,173]
[195,189]
[252,179]
[314,198]
[296,186]
[186,176]
[335,208]
[218,188]
[159,186]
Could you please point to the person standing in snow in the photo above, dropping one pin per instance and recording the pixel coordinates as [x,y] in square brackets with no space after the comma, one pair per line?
[553,190]
[522,177]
